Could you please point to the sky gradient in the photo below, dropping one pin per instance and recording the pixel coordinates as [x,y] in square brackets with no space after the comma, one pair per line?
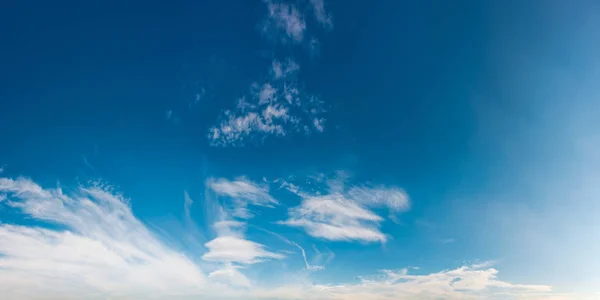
[306,149]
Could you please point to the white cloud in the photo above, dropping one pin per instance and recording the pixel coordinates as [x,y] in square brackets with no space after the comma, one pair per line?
[237,250]
[286,22]
[318,123]
[462,283]
[334,217]
[266,94]
[242,194]
[391,197]
[322,16]
[284,69]
[274,108]
[99,250]
[230,275]
[102,248]
[343,213]
[285,18]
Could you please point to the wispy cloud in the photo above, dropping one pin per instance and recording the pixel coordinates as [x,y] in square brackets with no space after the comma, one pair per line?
[466,282]
[273,108]
[334,217]
[345,213]
[393,198]
[322,16]
[86,162]
[309,267]
[242,193]
[97,249]
[103,248]
[285,18]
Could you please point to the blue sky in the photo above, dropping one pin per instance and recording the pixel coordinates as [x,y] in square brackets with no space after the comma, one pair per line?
[308,149]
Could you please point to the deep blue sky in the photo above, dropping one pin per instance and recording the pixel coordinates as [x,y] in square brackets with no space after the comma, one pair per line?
[484,113]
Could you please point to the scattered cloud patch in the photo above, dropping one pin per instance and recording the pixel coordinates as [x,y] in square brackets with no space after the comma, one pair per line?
[321,15]
[274,108]
[230,275]
[287,23]
[285,18]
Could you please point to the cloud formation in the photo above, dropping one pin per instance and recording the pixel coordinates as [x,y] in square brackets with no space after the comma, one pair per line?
[274,108]
[242,193]
[287,22]
[345,214]
[236,249]
[101,248]
[88,244]
[334,217]
[467,282]
[285,18]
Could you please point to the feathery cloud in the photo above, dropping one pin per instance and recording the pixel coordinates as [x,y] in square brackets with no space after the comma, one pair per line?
[334,217]
[237,250]
[344,213]
[242,194]
[102,249]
